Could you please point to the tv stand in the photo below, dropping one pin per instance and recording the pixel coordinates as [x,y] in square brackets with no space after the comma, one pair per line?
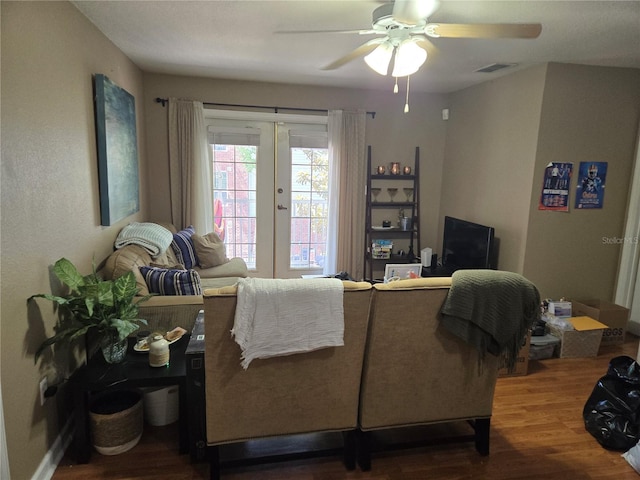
[439,271]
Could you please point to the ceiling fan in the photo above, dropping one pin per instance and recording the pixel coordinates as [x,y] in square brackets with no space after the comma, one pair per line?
[403,29]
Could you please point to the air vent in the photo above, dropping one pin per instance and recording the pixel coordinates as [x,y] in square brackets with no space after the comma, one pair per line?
[495,66]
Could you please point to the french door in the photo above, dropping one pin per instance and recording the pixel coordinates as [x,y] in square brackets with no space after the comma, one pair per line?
[270,190]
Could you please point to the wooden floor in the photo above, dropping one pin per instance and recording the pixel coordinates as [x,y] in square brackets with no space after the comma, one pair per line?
[537,432]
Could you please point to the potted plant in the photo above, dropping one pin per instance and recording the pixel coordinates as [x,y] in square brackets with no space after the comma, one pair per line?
[105,306]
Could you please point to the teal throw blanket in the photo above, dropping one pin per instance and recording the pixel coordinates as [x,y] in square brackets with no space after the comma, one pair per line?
[491,310]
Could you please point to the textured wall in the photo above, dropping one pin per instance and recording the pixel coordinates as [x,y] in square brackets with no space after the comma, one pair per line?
[490,153]
[50,204]
[589,114]
[392,134]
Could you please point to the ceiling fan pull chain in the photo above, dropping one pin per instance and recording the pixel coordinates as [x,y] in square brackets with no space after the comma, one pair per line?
[395,87]
[406,105]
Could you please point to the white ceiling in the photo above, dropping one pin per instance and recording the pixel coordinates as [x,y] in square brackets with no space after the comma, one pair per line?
[237,39]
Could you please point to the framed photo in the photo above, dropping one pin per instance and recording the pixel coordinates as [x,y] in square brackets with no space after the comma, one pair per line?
[401,271]
[117,151]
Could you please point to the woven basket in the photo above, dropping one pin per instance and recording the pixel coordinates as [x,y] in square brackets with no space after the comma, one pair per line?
[116,421]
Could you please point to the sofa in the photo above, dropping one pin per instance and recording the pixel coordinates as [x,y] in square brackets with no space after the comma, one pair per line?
[164,312]
[418,373]
[284,395]
[399,367]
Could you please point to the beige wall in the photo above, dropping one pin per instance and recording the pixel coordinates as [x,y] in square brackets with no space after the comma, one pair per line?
[392,134]
[501,136]
[50,204]
[589,114]
[489,158]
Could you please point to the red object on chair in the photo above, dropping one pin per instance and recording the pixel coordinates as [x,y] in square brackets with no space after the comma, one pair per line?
[218,221]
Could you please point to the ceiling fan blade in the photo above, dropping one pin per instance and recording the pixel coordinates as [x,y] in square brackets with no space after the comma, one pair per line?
[363,49]
[484,30]
[411,12]
[297,32]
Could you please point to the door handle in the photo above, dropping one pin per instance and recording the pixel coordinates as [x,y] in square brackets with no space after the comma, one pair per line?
[281,207]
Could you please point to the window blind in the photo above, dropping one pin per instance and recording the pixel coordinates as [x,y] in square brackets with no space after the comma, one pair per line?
[233,136]
[308,139]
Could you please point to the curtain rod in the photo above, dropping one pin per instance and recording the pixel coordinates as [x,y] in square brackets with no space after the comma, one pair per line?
[164,101]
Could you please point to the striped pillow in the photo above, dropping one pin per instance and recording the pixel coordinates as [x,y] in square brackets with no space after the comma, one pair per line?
[182,246]
[171,282]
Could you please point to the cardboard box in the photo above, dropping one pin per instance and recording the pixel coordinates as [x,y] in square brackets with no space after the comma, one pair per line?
[522,362]
[613,316]
[560,309]
[584,341]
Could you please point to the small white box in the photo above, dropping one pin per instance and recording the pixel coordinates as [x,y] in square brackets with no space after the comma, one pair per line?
[560,309]
[425,256]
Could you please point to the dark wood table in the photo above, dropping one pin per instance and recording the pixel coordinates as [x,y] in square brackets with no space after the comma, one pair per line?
[195,392]
[134,372]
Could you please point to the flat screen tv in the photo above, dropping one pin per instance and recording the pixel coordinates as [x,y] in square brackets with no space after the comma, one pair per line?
[467,245]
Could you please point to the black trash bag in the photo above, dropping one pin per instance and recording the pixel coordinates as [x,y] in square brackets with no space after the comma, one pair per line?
[612,412]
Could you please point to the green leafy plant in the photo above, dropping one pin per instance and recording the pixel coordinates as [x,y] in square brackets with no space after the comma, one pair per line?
[107,306]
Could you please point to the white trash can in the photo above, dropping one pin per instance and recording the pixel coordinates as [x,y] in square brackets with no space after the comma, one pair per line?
[161,405]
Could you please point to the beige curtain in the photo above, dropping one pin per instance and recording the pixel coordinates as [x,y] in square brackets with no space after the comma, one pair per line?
[189,167]
[348,157]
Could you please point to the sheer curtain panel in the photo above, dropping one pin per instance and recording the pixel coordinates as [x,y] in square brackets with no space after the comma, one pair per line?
[347,160]
[189,167]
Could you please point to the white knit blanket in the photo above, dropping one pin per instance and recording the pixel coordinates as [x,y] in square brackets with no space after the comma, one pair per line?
[154,238]
[285,316]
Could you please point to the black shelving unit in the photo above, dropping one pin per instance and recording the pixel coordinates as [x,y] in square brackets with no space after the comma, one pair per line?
[411,208]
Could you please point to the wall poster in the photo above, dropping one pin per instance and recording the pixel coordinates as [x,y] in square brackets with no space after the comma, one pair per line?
[117,151]
[591,183]
[555,188]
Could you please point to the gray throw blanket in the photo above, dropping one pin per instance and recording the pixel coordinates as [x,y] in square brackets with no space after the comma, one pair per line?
[491,310]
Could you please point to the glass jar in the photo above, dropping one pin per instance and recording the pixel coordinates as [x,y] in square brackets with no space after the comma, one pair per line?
[158,352]
[113,349]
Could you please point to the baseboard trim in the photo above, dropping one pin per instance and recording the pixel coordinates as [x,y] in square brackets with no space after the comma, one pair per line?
[634,327]
[51,459]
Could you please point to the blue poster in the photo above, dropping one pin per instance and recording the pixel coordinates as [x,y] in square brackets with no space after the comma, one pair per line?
[555,188]
[591,182]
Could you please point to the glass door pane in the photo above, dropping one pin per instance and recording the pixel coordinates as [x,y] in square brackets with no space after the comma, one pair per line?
[303,186]
[243,166]
[309,201]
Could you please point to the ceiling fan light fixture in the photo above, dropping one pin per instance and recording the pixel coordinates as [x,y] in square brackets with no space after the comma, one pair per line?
[380,58]
[409,58]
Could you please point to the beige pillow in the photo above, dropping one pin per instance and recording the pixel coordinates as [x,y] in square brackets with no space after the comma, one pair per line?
[210,250]
[129,259]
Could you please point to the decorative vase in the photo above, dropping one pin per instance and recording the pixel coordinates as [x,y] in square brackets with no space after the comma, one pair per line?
[395,168]
[159,352]
[113,349]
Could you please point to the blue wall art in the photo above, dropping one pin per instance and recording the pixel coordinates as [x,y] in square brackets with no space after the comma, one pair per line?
[117,151]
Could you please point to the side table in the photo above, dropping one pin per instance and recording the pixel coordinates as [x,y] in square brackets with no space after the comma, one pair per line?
[196,392]
[98,376]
